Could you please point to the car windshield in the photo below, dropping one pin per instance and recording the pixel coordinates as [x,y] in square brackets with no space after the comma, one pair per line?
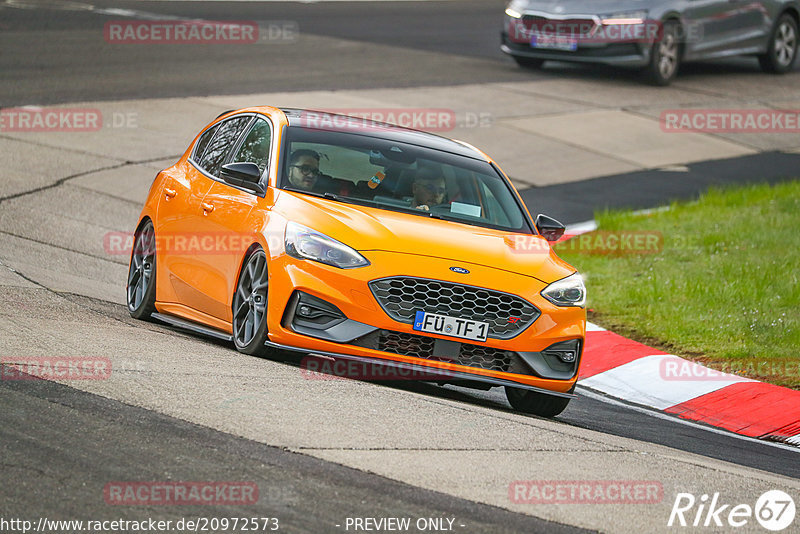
[392,175]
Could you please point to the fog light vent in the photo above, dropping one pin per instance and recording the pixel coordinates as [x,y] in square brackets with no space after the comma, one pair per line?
[565,351]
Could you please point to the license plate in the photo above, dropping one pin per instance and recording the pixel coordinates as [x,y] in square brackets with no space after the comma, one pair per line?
[554,42]
[450,326]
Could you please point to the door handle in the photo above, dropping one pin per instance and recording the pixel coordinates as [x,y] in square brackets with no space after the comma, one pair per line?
[170,193]
[207,208]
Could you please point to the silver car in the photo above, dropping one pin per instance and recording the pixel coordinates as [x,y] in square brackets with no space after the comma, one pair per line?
[654,35]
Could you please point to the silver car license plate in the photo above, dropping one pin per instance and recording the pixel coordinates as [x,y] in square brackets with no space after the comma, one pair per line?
[554,42]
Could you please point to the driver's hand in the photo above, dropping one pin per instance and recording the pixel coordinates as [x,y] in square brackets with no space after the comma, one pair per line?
[423,207]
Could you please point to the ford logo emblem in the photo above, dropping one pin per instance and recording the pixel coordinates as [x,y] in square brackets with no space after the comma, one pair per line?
[459,270]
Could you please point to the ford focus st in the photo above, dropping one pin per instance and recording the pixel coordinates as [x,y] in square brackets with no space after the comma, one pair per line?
[354,240]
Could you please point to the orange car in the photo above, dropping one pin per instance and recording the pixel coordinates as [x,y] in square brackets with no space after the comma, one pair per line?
[360,241]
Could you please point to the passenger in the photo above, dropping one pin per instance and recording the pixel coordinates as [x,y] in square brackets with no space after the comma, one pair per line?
[304,168]
[429,189]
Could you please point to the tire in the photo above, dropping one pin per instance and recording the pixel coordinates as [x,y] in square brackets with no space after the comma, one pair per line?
[529,62]
[141,286]
[535,403]
[782,49]
[250,305]
[665,57]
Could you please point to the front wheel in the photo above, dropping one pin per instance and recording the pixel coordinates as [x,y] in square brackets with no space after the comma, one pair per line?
[141,288]
[250,306]
[535,403]
[782,49]
[665,57]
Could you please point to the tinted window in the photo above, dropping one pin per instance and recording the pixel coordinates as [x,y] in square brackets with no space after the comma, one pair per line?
[226,135]
[255,147]
[202,143]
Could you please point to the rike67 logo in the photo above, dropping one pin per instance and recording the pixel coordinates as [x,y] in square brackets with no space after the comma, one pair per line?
[774,510]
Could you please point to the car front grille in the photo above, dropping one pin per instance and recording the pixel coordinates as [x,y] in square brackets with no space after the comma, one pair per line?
[573,27]
[401,297]
[424,347]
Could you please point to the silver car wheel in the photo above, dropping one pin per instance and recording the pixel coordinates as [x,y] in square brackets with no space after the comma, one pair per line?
[142,265]
[785,42]
[250,300]
[668,55]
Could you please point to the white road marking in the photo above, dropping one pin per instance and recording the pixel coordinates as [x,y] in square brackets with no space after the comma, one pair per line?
[649,381]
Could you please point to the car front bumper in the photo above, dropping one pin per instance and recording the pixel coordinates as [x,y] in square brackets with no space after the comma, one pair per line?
[616,54]
[368,332]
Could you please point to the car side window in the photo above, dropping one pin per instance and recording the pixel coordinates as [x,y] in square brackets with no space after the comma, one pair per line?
[255,147]
[226,135]
[202,143]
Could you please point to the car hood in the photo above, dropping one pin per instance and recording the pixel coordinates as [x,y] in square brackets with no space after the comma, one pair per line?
[585,7]
[367,228]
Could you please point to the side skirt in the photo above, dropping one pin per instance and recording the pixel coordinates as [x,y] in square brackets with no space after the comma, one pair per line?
[185,324]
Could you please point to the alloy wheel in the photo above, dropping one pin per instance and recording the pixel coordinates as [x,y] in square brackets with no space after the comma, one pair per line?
[250,301]
[785,43]
[668,55]
[140,275]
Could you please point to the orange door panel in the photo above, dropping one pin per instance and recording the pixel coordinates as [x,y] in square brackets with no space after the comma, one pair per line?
[179,215]
[225,238]
[227,235]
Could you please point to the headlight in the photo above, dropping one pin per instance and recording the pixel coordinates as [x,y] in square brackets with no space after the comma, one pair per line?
[628,17]
[307,244]
[514,10]
[568,291]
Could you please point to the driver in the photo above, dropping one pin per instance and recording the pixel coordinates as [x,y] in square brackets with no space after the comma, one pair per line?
[304,168]
[428,189]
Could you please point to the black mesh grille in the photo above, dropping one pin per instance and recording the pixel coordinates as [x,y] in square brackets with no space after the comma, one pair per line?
[402,297]
[405,344]
[423,347]
[484,357]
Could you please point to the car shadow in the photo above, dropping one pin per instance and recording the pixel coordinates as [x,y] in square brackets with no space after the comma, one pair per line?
[688,71]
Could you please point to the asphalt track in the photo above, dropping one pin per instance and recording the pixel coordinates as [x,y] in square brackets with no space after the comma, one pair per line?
[57,55]
[53,437]
[59,443]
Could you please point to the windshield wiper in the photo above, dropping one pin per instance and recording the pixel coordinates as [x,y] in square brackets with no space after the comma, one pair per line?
[327,195]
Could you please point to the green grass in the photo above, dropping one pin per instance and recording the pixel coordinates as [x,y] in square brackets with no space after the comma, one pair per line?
[725,288]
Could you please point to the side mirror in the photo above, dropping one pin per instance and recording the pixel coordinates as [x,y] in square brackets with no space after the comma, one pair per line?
[551,229]
[245,174]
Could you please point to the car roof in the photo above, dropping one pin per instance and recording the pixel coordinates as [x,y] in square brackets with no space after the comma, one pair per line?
[326,121]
